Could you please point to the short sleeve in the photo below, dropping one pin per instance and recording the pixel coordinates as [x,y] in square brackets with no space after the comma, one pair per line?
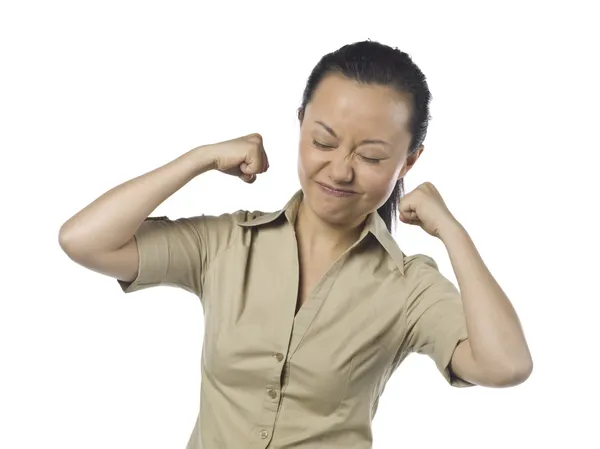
[434,316]
[178,252]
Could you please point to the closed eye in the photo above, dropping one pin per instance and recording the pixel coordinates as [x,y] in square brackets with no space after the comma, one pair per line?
[371,160]
[321,145]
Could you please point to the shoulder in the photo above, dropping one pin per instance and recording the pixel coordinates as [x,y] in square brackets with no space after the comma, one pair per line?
[226,229]
[419,264]
[424,279]
[218,228]
[226,223]
[222,221]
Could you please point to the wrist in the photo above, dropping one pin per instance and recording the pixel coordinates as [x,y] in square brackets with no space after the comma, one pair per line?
[203,159]
[450,230]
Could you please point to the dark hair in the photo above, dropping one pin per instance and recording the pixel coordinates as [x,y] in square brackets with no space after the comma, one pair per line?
[371,62]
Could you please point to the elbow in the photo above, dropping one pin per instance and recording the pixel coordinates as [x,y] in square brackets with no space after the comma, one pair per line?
[513,376]
[68,243]
[64,239]
[523,372]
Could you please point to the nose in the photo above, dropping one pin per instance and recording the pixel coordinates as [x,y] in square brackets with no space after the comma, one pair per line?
[341,171]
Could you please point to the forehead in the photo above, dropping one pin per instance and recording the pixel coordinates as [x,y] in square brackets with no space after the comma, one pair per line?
[351,107]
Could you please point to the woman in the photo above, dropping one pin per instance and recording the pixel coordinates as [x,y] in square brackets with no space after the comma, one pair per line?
[310,309]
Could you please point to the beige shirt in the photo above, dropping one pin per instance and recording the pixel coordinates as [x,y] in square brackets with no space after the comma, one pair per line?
[273,378]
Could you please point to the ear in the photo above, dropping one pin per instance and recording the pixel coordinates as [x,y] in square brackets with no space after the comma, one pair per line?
[410,161]
[300,114]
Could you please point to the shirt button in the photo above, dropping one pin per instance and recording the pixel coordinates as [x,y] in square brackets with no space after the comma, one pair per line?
[278,356]
[264,434]
[273,394]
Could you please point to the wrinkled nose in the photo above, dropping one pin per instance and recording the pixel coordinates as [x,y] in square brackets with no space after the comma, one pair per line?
[342,171]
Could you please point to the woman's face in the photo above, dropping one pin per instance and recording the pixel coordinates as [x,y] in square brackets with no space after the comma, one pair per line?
[353,138]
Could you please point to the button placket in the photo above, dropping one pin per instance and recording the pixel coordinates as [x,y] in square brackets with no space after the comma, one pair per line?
[309,311]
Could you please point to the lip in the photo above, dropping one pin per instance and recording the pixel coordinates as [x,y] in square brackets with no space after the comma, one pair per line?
[336,192]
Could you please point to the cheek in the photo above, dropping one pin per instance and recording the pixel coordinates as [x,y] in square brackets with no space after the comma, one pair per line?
[308,159]
[379,183]
[302,159]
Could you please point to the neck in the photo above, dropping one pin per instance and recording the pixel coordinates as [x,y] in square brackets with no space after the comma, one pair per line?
[315,234]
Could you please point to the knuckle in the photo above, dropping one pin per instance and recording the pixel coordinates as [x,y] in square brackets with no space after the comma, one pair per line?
[255,138]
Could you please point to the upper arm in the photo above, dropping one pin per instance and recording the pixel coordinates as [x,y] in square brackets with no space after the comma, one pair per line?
[466,367]
[164,252]
[435,320]
[168,252]
[463,365]
[179,252]
[120,264]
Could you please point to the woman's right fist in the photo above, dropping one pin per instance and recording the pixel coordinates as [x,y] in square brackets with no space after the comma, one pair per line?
[244,157]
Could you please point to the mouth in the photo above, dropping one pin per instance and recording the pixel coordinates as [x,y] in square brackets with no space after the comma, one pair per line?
[335,191]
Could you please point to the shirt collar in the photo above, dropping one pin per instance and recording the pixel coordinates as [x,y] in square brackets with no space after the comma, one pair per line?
[374,225]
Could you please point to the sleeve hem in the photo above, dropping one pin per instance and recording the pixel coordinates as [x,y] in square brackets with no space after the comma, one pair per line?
[148,269]
[444,363]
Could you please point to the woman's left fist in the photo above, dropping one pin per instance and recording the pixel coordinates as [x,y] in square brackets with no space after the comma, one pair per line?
[425,207]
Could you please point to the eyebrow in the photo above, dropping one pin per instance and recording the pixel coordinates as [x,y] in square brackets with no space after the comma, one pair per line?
[332,132]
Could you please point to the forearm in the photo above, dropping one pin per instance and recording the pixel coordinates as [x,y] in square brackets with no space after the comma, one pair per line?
[495,333]
[111,220]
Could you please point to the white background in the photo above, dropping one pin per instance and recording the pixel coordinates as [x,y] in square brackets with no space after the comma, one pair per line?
[95,93]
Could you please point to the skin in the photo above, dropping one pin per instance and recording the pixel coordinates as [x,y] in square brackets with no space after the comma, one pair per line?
[354,137]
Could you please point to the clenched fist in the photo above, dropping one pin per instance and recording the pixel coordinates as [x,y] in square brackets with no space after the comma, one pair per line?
[244,157]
